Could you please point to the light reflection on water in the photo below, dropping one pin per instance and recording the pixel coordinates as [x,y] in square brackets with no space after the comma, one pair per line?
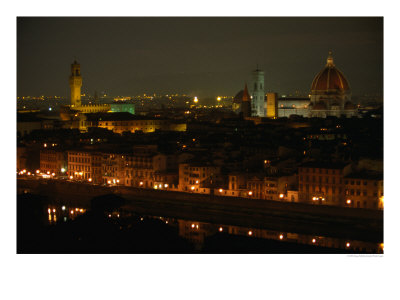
[196,232]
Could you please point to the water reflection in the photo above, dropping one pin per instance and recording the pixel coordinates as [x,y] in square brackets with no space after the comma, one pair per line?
[64,213]
[196,232]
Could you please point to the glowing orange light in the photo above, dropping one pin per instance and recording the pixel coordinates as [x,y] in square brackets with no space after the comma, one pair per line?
[250,232]
[281,237]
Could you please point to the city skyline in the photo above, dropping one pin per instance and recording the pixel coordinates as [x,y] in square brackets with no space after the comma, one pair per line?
[163,55]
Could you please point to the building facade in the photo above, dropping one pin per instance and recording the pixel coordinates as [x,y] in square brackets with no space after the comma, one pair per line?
[323,183]
[271,105]
[53,161]
[197,177]
[364,190]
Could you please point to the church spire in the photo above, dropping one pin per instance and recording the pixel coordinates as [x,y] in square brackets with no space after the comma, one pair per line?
[246,96]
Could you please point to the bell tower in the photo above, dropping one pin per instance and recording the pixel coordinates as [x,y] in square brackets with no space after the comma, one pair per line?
[258,96]
[75,83]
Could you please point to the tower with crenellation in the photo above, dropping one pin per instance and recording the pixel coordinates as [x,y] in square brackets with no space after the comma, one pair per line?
[75,84]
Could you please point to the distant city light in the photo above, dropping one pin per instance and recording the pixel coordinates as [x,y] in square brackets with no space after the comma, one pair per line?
[281,237]
[196,100]
[63,207]
[281,196]
[313,241]
[250,232]
[220,229]
[220,190]
[347,245]
[62,170]
[250,193]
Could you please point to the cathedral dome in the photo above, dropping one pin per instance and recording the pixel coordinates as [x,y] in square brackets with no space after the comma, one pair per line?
[330,79]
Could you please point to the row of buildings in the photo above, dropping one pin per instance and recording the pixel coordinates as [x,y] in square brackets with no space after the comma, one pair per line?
[337,184]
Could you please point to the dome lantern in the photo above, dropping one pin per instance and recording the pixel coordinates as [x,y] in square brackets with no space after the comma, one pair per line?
[329,60]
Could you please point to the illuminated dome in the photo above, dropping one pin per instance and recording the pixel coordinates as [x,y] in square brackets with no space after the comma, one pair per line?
[330,78]
[330,93]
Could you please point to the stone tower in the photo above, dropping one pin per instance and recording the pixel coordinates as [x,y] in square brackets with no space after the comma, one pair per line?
[258,97]
[75,83]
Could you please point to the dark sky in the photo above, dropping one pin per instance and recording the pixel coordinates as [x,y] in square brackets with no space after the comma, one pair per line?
[197,56]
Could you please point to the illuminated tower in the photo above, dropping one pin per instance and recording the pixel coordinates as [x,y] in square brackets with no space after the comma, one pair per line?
[258,97]
[75,83]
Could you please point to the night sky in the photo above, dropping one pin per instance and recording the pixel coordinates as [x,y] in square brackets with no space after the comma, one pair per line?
[205,57]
